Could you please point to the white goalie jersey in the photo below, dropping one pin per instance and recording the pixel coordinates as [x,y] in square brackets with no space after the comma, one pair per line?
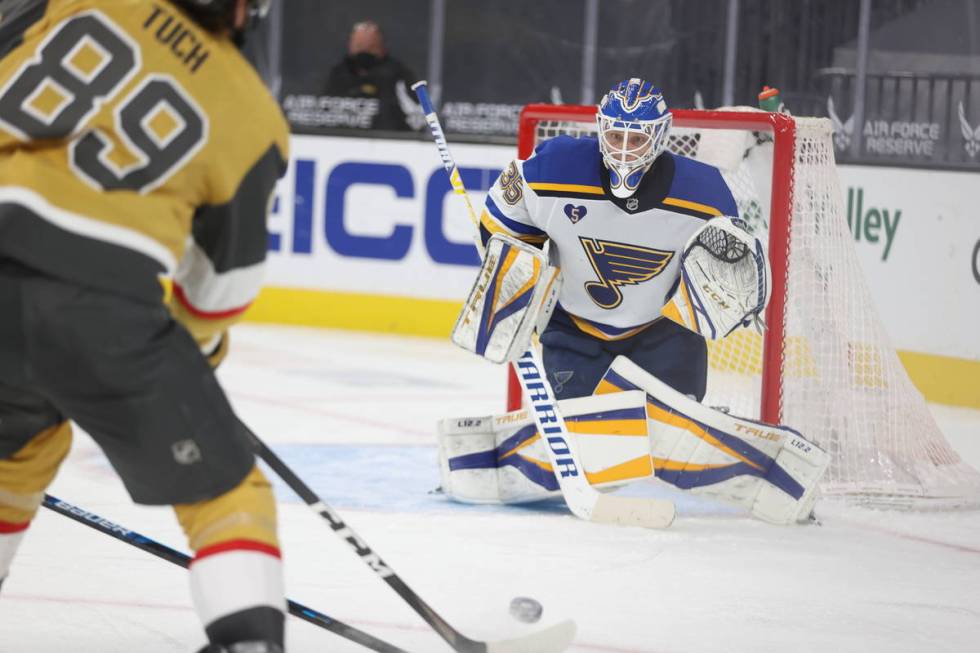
[620,258]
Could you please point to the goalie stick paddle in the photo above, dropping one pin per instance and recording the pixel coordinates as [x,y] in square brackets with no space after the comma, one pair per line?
[553,639]
[183,560]
[582,499]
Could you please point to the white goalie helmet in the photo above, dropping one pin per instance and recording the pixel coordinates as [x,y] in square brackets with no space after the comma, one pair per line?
[634,124]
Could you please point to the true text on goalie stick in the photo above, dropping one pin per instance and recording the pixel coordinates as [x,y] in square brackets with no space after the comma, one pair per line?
[583,500]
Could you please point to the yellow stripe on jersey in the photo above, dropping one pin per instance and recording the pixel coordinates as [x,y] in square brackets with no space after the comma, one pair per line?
[571,188]
[694,206]
[586,327]
[489,223]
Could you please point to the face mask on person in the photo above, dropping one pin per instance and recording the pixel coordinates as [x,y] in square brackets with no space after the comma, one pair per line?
[634,125]
[365,60]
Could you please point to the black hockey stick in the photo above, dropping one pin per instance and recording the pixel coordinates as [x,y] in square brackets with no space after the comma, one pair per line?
[183,560]
[553,639]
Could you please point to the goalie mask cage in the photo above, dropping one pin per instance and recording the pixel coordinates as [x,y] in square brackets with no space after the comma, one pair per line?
[824,366]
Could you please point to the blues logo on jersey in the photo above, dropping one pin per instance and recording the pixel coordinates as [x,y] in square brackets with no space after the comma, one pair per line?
[619,264]
[618,258]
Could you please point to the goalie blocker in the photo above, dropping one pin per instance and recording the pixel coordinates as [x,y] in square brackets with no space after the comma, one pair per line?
[514,295]
[633,428]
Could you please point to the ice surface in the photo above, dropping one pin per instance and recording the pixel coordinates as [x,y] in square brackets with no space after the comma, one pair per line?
[354,415]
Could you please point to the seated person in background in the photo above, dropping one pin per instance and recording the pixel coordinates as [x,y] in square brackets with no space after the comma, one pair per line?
[368,71]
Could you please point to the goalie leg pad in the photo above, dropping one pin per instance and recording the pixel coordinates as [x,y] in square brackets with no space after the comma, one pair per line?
[514,294]
[502,459]
[771,470]
[468,459]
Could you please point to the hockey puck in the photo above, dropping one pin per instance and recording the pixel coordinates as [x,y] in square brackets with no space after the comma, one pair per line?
[525,609]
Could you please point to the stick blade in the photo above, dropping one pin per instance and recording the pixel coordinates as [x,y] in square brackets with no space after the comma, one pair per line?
[554,639]
[633,511]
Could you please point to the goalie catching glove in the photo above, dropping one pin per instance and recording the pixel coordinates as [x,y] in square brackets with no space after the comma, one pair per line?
[514,294]
[724,280]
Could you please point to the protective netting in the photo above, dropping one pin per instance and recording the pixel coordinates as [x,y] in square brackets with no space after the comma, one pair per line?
[840,382]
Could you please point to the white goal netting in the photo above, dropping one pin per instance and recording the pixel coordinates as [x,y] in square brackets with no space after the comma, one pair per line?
[837,380]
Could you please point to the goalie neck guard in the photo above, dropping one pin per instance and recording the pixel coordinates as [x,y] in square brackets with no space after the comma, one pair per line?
[634,124]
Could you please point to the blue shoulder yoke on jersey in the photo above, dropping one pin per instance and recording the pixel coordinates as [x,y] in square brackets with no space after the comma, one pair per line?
[699,190]
[565,166]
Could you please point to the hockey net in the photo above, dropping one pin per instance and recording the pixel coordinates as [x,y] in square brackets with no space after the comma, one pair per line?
[824,366]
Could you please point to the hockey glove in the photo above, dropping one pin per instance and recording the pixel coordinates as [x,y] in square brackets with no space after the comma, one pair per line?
[724,280]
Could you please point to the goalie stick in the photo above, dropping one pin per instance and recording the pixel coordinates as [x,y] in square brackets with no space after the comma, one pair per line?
[553,639]
[174,556]
[583,500]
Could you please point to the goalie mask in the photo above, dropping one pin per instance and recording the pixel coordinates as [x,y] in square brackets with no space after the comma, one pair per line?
[634,124]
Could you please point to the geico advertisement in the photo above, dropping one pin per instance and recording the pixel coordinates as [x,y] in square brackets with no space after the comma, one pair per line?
[917,235]
[378,216]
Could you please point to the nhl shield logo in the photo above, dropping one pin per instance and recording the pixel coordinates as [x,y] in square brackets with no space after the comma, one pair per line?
[186,452]
[575,213]
[632,203]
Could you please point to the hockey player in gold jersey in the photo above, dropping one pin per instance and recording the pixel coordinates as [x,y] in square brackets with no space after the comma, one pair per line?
[138,153]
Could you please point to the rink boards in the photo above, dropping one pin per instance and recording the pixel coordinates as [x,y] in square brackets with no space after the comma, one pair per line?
[366,235]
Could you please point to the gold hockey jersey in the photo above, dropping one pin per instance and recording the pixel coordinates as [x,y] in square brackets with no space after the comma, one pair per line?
[135,145]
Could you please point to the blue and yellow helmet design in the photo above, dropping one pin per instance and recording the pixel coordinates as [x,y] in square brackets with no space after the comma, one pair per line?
[634,124]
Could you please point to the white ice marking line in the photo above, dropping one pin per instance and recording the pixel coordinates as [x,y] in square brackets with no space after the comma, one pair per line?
[356,419]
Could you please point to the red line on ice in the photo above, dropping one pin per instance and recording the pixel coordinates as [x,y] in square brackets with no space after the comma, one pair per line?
[919,538]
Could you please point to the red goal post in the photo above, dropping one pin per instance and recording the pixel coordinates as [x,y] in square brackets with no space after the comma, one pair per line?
[783,131]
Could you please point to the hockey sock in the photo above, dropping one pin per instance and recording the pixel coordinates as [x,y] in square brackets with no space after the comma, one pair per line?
[10,537]
[25,474]
[236,576]
[238,592]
